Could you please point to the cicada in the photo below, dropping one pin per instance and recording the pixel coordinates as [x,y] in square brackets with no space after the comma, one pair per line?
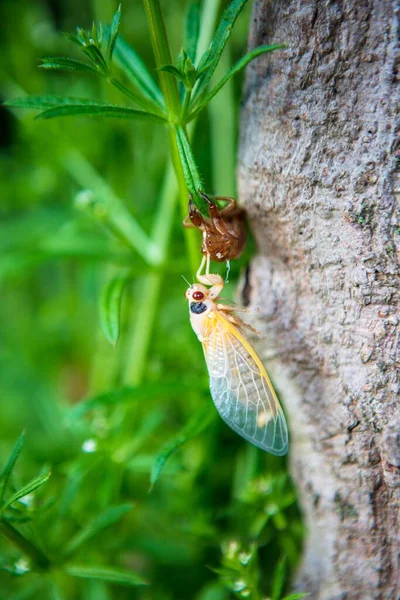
[240,387]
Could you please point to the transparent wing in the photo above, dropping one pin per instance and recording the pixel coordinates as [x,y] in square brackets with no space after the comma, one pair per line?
[241,389]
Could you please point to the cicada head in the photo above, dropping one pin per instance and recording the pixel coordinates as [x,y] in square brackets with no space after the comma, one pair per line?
[197,293]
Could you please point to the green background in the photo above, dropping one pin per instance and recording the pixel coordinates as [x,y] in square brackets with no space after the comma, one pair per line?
[222,514]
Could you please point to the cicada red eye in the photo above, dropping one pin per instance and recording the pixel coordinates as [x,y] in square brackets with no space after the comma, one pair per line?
[197,295]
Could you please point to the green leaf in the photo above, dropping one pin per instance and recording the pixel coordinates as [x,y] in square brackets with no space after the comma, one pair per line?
[110,306]
[73,39]
[94,53]
[60,106]
[190,170]
[63,63]
[137,72]
[109,574]
[174,71]
[97,109]
[198,423]
[210,58]
[46,101]
[192,29]
[6,473]
[113,32]
[279,580]
[295,596]
[27,489]
[97,36]
[237,67]
[105,519]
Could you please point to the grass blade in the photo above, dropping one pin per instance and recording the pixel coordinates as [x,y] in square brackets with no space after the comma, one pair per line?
[136,71]
[63,63]
[105,519]
[210,58]
[110,307]
[27,489]
[6,473]
[192,29]
[109,574]
[198,423]
[237,67]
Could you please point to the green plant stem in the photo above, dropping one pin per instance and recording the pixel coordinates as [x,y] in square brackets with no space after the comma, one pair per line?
[143,318]
[119,216]
[162,55]
[27,547]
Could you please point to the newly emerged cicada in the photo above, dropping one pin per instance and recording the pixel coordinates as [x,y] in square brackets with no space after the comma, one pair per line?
[239,384]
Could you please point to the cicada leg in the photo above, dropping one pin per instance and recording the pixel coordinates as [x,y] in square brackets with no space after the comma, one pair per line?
[208,278]
[231,208]
[239,323]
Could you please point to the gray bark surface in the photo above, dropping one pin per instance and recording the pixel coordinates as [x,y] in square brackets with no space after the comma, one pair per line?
[319,176]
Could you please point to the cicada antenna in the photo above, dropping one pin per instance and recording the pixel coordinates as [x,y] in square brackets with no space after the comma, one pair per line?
[184,279]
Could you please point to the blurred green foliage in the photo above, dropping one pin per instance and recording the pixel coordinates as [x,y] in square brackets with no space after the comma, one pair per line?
[150,496]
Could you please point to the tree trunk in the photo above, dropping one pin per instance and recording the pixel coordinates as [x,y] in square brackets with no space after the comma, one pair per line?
[319,181]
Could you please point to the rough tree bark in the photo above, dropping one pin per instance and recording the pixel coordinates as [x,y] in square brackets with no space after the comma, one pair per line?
[319,181]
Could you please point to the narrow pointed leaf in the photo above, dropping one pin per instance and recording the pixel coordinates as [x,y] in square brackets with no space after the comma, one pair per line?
[110,307]
[109,574]
[100,110]
[114,32]
[6,473]
[174,71]
[63,63]
[95,54]
[46,101]
[136,71]
[237,67]
[105,519]
[27,489]
[97,33]
[210,58]
[295,596]
[198,423]
[192,29]
[73,39]
[190,170]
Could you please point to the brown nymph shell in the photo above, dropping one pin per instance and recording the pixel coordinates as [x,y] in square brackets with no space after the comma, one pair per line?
[224,231]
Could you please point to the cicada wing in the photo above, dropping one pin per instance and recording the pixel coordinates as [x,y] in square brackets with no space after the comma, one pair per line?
[241,389]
